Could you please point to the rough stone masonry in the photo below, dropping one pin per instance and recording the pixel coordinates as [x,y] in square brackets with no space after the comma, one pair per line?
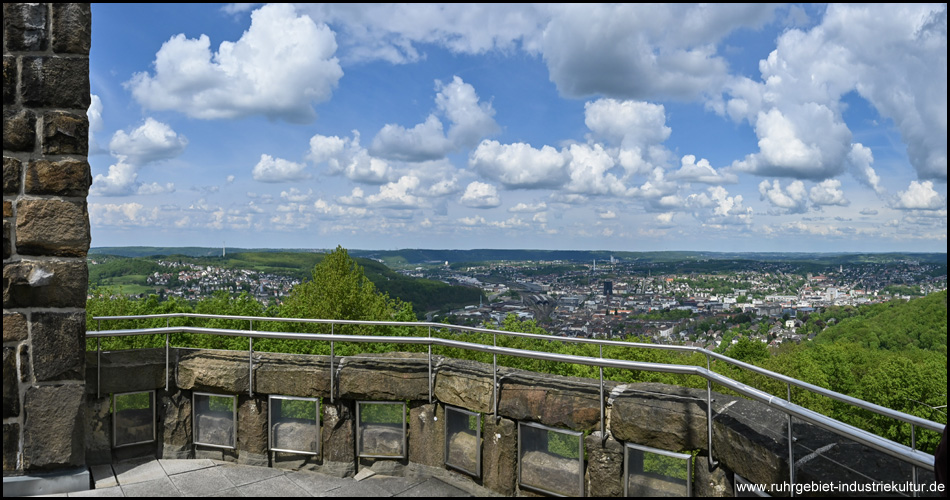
[45,233]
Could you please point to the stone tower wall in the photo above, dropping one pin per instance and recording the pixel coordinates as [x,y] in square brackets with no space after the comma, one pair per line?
[45,232]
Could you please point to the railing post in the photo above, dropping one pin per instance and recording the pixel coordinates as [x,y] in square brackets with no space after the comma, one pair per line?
[167,375]
[250,360]
[913,445]
[250,367]
[494,377]
[430,365]
[791,452]
[331,365]
[98,366]
[167,369]
[603,424]
[709,416]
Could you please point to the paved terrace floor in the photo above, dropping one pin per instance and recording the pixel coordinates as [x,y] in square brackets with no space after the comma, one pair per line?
[213,478]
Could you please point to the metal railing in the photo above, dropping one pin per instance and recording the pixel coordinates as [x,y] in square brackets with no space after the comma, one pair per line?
[902,452]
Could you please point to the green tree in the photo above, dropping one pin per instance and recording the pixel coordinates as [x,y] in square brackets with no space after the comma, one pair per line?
[339,289]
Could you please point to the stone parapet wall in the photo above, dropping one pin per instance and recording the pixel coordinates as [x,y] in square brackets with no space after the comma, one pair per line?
[45,233]
[749,438]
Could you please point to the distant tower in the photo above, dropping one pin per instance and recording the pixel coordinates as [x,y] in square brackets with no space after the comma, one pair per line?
[223,251]
[608,288]
[595,265]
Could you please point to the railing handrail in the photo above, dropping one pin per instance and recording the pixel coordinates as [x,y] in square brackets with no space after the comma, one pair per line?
[881,410]
[897,450]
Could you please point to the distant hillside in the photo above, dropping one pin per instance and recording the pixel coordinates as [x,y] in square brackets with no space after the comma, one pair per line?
[185,251]
[421,256]
[425,295]
[894,326]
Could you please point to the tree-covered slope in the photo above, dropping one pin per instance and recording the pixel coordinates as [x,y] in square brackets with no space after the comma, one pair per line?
[894,326]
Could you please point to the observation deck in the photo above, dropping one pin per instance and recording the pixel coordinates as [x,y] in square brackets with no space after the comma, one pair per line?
[488,428]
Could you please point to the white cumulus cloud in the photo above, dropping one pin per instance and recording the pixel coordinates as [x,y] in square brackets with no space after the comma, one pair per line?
[280,67]
[920,196]
[152,141]
[793,198]
[480,195]
[346,157]
[828,193]
[893,55]
[519,165]
[469,119]
[270,169]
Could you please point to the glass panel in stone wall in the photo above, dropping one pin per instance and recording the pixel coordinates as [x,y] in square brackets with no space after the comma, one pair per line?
[381,428]
[550,460]
[133,418]
[215,420]
[294,424]
[463,440]
[650,472]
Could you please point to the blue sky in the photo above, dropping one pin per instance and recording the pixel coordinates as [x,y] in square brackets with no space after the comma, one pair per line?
[740,127]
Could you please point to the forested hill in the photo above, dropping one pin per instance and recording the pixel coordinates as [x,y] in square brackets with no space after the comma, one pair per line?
[425,295]
[894,326]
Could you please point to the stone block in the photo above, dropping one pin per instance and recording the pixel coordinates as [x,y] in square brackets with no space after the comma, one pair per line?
[53,427]
[297,434]
[660,416]
[551,473]
[58,342]
[427,434]
[7,241]
[463,383]
[14,327]
[500,455]
[63,178]
[339,437]
[750,439]
[25,372]
[384,377]
[11,446]
[463,452]
[125,371]
[65,133]
[55,82]
[711,483]
[174,430]
[98,429]
[292,375]
[213,371]
[252,429]
[12,170]
[11,387]
[604,474]
[54,284]
[52,227]
[565,402]
[24,27]
[10,78]
[214,428]
[71,28]
[19,129]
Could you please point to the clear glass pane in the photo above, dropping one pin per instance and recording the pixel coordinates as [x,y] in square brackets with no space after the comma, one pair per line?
[551,460]
[463,440]
[134,418]
[295,425]
[657,473]
[215,420]
[382,429]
